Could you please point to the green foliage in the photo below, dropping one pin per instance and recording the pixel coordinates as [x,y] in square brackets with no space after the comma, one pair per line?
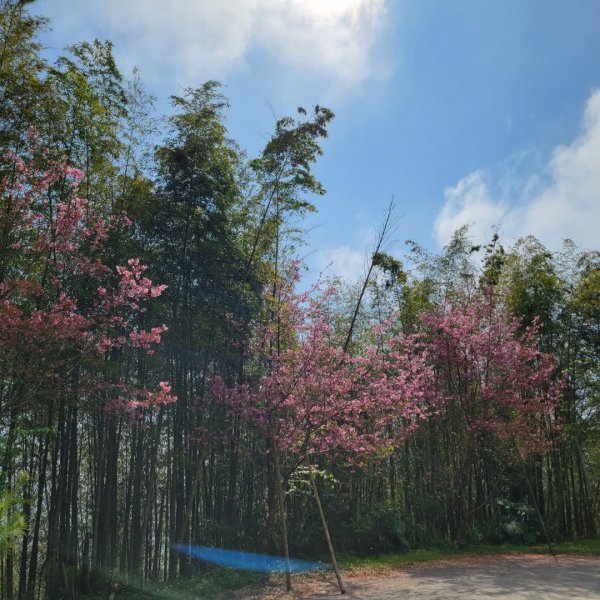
[493,262]
[587,294]
[299,483]
[416,296]
[377,531]
[287,158]
[437,277]
[12,521]
[392,267]
[284,178]
[513,523]
[535,287]
[22,71]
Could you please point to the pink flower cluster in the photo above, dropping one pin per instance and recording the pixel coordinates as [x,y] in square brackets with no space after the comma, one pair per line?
[51,250]
[316,399]
[503,383]
[136,402]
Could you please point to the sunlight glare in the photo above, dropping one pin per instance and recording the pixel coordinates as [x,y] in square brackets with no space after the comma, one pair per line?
[330,8]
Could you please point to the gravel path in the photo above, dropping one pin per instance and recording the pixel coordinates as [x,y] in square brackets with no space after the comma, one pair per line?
[518,577]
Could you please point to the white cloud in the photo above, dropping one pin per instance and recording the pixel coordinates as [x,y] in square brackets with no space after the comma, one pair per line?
[194,40]
[343,261]
[468,202]
[562,201]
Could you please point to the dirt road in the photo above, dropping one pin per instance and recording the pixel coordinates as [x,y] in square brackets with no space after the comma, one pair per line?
[525,577]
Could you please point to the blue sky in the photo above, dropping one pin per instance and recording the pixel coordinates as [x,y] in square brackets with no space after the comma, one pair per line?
[465,111]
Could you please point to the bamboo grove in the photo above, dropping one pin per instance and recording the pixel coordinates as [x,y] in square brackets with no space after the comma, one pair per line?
[143,268]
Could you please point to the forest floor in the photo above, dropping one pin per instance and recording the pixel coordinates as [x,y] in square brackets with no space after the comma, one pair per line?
[515,576]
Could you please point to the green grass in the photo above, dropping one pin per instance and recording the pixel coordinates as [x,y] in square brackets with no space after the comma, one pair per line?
[581,547]
[214,582]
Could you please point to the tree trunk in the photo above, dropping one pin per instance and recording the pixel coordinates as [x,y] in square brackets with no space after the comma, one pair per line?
[281,503]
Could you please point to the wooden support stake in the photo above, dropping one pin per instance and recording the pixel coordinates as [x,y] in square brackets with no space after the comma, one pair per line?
[325,528]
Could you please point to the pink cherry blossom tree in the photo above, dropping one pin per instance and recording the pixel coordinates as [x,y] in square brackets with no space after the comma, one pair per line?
[491,367]
[493,378]
[314,399]
[61,306]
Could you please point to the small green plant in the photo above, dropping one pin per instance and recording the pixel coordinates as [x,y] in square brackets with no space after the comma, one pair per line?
[516,522]
[12,522]
[299,483]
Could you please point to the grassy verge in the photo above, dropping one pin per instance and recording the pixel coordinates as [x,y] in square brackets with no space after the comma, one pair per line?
[213,583]
[581,547]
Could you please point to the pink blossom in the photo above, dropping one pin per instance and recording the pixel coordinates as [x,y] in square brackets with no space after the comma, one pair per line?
[44,330]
